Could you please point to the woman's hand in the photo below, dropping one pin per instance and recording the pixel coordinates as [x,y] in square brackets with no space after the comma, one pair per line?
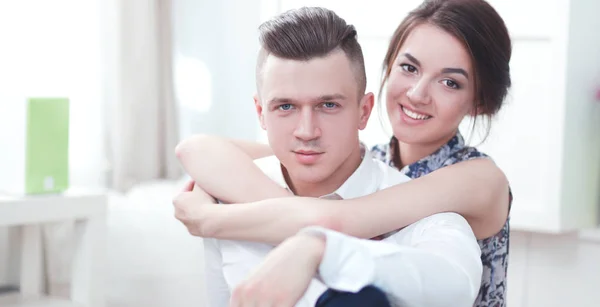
[284,276]
[194,207]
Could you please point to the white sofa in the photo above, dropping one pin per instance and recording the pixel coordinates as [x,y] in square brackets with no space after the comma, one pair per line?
[152,261]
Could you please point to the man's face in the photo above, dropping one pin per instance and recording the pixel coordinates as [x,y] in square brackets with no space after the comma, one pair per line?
[312,112]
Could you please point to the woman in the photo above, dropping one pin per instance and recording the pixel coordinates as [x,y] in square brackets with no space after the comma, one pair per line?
[429,87]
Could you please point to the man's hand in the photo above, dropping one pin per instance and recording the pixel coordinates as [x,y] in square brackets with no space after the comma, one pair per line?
[193,207]
[284,276]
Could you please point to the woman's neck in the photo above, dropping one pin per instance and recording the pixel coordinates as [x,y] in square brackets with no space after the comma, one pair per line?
[411,153]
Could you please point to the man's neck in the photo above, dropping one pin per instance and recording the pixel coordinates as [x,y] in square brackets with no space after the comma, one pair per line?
[331,183]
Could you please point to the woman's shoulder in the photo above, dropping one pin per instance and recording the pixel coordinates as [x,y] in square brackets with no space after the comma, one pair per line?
[381,151]
[467,153]
[447,155]
[471,153]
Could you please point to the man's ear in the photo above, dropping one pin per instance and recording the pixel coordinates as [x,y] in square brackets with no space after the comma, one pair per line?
[366,106]
[259,111]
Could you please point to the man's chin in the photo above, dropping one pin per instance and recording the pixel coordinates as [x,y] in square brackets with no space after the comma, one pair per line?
[306,174]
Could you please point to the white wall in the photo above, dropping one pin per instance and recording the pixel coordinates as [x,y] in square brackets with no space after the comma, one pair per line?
[219,39]
[564,270]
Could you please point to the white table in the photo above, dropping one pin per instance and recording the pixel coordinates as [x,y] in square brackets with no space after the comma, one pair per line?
[29,213]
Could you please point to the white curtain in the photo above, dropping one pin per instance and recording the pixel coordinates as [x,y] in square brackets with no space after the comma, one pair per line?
[142,116]
[140,124]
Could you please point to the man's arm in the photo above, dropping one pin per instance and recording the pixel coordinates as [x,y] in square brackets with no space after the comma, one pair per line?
[434,262]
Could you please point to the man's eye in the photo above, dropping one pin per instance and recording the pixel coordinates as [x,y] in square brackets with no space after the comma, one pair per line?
[285,107]
[329,105]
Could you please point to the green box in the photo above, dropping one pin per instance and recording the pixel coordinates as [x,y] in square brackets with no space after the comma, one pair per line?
[46,145]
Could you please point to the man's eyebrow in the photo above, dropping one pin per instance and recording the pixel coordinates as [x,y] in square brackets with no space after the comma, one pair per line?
[331,97]
[279,100]
[327,97]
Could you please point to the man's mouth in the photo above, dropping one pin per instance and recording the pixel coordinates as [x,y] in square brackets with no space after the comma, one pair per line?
[307,152]
[307,157]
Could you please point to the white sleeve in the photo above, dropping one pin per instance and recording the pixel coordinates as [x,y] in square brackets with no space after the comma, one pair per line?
[433,262]
[217,290]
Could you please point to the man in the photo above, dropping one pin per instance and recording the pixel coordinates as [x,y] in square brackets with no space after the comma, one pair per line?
[311,101]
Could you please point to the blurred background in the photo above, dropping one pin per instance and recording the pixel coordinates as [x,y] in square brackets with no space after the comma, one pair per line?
[143,74]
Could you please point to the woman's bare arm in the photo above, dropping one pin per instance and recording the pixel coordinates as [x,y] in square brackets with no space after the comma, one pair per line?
[476,189]
[225,168]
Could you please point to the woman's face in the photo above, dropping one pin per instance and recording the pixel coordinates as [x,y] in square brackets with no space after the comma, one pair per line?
[430,88]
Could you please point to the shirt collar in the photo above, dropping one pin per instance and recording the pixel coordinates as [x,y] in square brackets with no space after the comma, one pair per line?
[363,180]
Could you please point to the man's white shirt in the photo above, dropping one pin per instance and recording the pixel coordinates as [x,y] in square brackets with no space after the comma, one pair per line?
[433,262]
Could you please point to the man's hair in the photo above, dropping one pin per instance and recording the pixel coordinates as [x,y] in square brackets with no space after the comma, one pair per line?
[310,32]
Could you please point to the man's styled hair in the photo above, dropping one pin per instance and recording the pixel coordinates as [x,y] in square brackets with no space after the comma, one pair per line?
[310,32]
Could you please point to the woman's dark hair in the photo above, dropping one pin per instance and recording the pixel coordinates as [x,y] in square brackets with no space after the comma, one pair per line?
[483,33]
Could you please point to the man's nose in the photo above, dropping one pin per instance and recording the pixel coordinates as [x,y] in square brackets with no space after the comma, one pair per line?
[307,128]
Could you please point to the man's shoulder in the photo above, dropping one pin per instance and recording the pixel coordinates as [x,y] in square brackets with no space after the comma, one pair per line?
[271,167]
[268,163]
[390,175]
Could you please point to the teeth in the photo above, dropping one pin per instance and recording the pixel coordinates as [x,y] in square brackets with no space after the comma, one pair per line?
[414,115]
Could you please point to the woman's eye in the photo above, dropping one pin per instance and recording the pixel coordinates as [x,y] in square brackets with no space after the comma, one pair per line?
[408,68]
[451,84]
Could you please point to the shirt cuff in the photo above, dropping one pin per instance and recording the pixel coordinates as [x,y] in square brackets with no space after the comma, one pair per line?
[344,267]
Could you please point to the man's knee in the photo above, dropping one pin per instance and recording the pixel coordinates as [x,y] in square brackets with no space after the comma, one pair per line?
[367,297]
